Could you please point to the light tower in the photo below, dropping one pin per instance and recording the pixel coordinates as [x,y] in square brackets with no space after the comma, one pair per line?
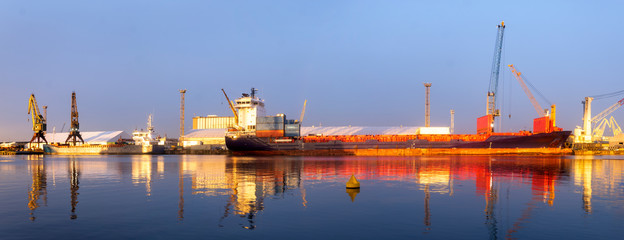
[427,115]
[587,123]
[452,121]
[182,92]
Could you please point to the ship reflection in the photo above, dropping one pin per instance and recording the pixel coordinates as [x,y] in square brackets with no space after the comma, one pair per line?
[245,183]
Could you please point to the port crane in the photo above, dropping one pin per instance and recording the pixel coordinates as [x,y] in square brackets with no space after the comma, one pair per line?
[547,120]
[74,133]
[602,118]
[233,109]
[485,124]
[38,121]
[586,135]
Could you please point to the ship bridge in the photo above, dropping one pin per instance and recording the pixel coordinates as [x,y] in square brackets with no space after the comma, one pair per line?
[249,107]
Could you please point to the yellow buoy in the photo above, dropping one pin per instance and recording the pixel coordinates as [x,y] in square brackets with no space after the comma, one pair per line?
[353,183]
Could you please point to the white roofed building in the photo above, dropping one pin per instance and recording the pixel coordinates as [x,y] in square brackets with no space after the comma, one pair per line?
[96,137]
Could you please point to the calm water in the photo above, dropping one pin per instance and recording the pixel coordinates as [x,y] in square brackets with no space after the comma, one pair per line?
[217,197]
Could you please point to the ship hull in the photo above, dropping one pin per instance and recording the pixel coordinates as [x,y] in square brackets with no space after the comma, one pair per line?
[103,149]
[543,143]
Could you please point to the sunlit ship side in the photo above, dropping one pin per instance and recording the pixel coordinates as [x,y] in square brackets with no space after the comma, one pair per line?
[257,134]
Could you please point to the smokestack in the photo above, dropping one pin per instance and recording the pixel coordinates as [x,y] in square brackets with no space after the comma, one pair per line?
[427,115]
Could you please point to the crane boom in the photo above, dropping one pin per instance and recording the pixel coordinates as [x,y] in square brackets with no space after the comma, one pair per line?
[607,111]
[540,111]
[231,107]
[303,110]
[491,95]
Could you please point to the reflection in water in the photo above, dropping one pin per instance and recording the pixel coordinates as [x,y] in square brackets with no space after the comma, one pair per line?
[352,192]
[243,184]
[181,190]
[583,178]
[74,181]
[38,185]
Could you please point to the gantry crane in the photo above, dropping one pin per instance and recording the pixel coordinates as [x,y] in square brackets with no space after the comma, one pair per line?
[38,121]
[74,134]
[485,124]
[546,121]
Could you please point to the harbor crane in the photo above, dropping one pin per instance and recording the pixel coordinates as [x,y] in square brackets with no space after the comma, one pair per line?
[485,124]
[546,122]
[74,133]
[600,121]
[38,121]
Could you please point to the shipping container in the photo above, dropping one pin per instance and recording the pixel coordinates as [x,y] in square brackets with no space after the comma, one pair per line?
[213,122]
[485,124]
[270,119]
[292,130]
[270,133]
[541,125]
[270,126]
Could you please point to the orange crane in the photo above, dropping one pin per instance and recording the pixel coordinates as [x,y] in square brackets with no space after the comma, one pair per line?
[540,111]
[38,121]
[546,122]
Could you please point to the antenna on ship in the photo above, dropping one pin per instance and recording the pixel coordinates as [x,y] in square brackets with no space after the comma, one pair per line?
[253,92]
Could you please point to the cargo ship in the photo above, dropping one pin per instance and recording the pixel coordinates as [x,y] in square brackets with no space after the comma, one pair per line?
[255,133]
[258,134]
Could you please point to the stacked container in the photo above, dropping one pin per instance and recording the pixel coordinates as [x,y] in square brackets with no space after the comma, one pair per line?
[271,126]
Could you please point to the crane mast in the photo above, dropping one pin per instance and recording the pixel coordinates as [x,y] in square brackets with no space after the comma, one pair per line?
[38,121]
[491,95]
[74,133]
[485,124]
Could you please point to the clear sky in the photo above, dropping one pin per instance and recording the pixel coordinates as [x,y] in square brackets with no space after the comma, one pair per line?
[359,63]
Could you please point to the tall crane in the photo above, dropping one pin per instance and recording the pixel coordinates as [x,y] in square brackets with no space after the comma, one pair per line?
[491,96]
[38,121]
[74,134]
[485,124]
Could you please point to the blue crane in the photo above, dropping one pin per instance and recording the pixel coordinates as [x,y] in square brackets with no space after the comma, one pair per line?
[485,124]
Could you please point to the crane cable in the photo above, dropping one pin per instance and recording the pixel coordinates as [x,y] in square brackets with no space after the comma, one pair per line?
[535,89]
[607,95]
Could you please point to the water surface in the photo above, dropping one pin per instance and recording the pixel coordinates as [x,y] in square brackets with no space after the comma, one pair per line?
[217,197]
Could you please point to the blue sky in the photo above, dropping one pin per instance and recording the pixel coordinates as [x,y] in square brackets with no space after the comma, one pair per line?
[356,62]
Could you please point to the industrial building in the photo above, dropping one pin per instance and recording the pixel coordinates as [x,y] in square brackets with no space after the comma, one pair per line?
[96,137]
[208,131]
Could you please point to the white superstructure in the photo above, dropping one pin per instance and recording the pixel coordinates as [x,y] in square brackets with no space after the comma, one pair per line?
[145,138]
[249,107]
